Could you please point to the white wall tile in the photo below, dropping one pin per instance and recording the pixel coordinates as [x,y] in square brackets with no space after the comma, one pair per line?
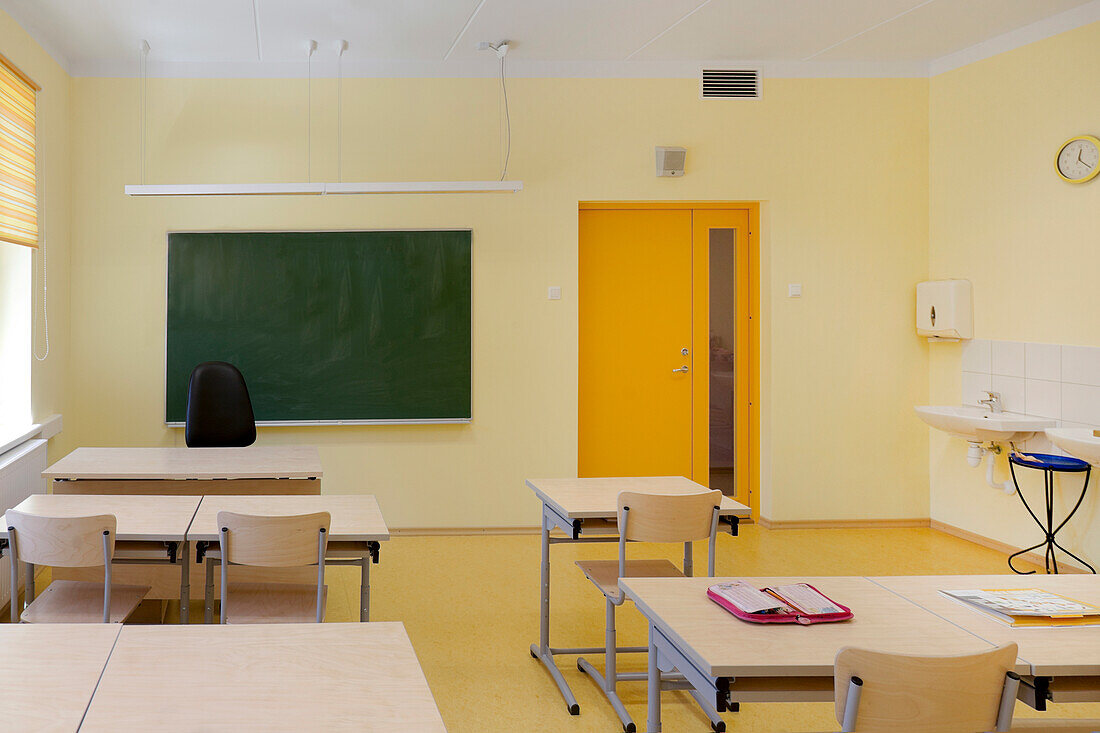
[976,356]
[1081,365]
[1008,358]
[1081,403]
[1043,398]
[974,387]
[1043,361]
[1012,391]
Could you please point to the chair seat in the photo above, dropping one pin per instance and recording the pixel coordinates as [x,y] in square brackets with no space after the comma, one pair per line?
[81,602]
[272,603]
[1062,726]
[605,573]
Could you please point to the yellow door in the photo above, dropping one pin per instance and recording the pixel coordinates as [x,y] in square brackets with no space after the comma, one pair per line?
[635,379]
[666,344]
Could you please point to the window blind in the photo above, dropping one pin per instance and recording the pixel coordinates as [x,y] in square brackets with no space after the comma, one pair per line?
[18,194]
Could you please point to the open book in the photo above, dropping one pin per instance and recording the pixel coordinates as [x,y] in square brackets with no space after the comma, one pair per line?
[1028,607]
[795,603]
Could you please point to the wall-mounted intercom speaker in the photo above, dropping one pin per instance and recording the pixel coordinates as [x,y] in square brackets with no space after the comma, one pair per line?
[670,161]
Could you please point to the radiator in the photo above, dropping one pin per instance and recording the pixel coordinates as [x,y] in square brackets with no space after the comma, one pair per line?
[20,476]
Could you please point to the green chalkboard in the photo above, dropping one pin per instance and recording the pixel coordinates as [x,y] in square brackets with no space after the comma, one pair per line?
[325,326]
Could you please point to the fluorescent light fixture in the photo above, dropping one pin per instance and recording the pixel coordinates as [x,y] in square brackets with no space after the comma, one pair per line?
[427,187]
[321,189]
[226,189]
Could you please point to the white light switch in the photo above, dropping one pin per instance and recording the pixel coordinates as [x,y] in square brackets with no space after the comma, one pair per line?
[554,293]
[794,290]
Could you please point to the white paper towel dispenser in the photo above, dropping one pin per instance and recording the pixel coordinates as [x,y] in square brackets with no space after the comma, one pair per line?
[944,309]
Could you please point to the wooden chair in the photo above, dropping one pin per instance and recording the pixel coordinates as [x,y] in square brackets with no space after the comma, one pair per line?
[68,542]
[272,542]
[649,518]
[971,693]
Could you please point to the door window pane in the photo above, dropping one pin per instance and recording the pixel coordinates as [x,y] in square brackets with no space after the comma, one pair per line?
[723,336]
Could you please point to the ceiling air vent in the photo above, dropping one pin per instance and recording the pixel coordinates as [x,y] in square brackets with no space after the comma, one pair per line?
[729,84]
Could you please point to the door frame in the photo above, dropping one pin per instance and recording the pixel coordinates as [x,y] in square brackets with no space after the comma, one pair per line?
[753,357]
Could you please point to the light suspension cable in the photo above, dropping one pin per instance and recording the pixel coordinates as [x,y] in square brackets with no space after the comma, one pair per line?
[507,115]
[143,69]
[309,110]
[341,46]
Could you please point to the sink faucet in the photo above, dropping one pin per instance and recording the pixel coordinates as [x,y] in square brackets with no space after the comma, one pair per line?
[993,402]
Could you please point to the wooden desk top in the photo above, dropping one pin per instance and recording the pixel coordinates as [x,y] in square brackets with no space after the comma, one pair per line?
[48,673]
[1073,651]
[255,462]
[140,517]
[598,498]
[264,677]
[355,517]
[722,645]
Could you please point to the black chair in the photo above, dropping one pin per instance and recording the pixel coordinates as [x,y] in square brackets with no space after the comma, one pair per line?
[219,412]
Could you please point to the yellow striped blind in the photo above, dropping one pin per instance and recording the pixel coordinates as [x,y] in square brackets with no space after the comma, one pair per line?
[18,195]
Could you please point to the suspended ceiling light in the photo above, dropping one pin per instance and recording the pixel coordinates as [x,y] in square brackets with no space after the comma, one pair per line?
[321,189]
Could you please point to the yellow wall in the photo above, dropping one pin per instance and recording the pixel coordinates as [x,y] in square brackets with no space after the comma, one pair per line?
[48,378]
[1001,217]
[840,164]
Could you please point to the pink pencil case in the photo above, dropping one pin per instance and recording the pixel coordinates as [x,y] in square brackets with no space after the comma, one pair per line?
[793,617]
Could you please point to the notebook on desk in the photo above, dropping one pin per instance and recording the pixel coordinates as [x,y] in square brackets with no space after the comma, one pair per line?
[796,603]
[1028,607]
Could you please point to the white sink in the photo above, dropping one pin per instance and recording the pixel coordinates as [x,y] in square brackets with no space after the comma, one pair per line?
[979,425]
[1078,442]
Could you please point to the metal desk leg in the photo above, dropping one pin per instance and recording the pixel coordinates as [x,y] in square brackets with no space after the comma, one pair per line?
[688,567]
[542,651]
[653,718]
[364,590]
[28,586]
[184,559]
[208,611]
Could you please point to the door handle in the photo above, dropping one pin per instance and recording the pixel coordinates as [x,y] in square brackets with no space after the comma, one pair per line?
[682,369]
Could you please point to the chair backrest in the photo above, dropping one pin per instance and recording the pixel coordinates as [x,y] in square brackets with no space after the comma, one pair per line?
[274,542]
[667,517]
[64,542]
[219,411]
[970,693]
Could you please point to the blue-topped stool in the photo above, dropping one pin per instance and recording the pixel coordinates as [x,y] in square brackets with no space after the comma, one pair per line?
[1049,465]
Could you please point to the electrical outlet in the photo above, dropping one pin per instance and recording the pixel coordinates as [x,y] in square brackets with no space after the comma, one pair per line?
[553,293]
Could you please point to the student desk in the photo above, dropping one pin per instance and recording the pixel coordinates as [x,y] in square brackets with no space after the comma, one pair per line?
[1064,663]
[729,660]
[264,677]
[48,673]
[150,530]
[353,538]
[188,471]
[586,510]
[183,472]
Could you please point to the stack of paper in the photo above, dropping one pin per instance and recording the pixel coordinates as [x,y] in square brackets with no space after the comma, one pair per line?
[1028,607]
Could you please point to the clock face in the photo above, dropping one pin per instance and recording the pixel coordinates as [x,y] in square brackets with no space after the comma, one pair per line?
[1079,160]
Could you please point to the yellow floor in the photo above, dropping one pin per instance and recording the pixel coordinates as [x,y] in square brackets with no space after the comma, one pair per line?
[470,604]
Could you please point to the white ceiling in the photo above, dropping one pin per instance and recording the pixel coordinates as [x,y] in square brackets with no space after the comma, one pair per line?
[551,37]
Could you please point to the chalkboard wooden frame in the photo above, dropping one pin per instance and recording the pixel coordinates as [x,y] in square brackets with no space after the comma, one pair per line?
[458,420]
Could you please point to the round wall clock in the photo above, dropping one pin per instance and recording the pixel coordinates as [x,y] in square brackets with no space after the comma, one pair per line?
[1078,159]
